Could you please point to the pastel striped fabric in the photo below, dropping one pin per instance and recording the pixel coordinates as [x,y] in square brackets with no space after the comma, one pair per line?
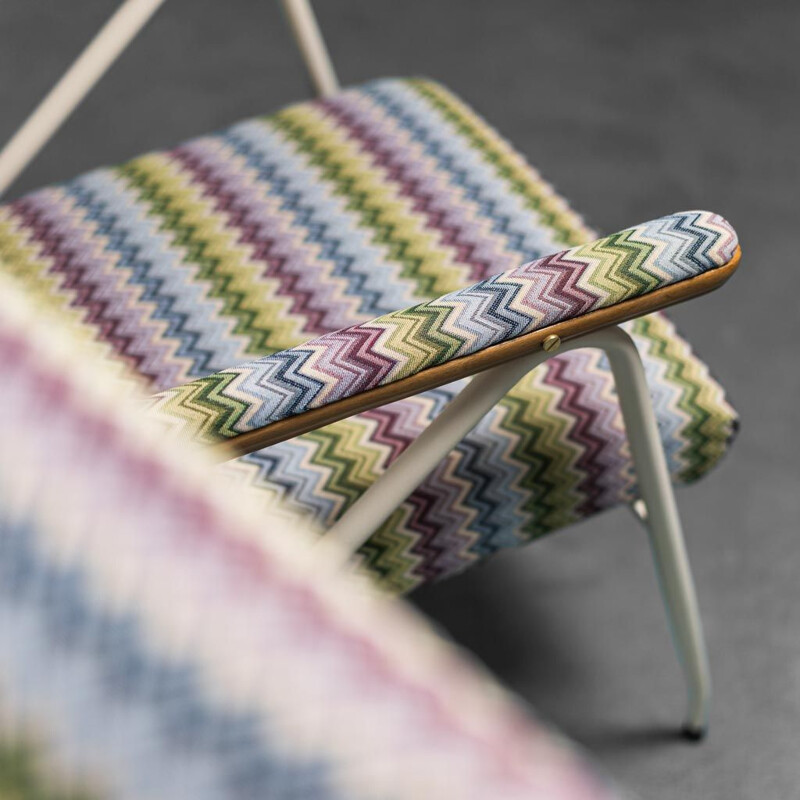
[155,642]
[353,360]
[326,215]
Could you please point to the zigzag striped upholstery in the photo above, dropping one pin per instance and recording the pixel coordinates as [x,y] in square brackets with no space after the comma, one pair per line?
[252,241]
[124,677]
[353,360]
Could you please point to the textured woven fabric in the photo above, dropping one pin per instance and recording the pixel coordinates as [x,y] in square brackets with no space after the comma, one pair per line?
[156,643]
[353,360]
[254,240]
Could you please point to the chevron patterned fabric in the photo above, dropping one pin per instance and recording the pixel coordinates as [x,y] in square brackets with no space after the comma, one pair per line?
[155,644]
[347,362]
[280,230]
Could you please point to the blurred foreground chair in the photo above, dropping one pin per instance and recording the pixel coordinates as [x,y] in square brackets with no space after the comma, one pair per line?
[309,291]
[155,644]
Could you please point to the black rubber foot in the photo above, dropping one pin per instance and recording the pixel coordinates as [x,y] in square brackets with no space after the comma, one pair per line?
[694,734]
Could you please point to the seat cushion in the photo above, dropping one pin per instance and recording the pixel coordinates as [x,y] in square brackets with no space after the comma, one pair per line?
[329,213]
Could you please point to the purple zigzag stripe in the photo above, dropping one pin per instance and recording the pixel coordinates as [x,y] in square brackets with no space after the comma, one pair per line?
[350,357]
[585,416]
[58,234]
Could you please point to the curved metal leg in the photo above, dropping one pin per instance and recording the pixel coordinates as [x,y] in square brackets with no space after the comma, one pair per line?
[660,510]
[312,46]
[663,524]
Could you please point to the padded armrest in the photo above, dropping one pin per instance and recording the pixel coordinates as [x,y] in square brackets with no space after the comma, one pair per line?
[342,373]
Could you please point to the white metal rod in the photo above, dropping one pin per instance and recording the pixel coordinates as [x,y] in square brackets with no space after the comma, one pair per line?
[73,86]
[663,522]
[312,46]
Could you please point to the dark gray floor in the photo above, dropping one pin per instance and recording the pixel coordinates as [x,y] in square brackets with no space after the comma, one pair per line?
[633,109]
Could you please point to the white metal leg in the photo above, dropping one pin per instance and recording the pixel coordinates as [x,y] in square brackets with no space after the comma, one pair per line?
[73,86]
[663,523]
[658,500]
[312,46]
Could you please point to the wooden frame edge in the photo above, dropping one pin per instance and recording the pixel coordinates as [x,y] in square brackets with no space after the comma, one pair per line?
[469,365]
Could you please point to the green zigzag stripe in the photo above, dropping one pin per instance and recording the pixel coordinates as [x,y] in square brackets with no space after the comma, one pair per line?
[548,480]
